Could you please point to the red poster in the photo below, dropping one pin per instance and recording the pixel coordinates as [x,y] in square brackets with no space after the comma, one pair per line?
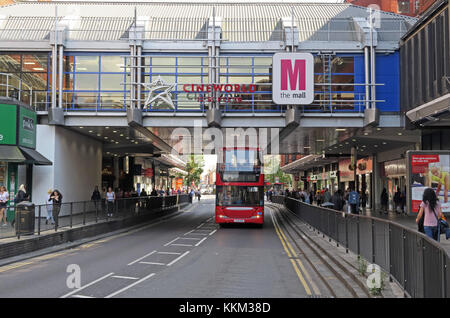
[419,163]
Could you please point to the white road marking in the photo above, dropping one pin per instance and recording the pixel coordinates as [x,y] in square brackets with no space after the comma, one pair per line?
[189,232]
[129,286]
[90,284]
[193,233]
[171,242]
[200,225]
[213,232]
[182,245]
[141,258]
[81,296]
[190,238]
[200,241]
[169,253]
[178,258]
[152,263]
[125,277]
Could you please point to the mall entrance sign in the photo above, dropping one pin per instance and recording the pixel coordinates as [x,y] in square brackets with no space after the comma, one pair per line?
[293,78]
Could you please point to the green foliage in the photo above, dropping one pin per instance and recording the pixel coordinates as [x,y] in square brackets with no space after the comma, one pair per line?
[377,291]
[362,266]
[274,174]
[194,168]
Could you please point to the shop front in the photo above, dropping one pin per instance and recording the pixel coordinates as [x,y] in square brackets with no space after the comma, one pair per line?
[144,175]
[17,149]
[346,174]
[364,171]
[394,176]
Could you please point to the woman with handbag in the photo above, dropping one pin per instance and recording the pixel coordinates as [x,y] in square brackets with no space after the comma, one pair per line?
[431,208]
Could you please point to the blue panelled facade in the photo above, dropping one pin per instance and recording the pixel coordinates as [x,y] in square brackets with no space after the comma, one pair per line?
[101,81]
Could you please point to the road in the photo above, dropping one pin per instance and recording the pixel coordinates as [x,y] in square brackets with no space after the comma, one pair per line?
[185,256]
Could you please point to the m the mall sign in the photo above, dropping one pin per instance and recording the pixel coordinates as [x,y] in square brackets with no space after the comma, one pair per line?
[293,78]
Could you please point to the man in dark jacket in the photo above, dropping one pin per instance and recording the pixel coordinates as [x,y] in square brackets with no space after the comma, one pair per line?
[337,200]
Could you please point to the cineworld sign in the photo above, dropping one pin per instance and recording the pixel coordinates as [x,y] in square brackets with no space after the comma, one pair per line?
[201,92]
[293,78]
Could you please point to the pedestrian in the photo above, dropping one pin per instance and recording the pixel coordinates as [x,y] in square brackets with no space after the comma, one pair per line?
[191,195]
[363,198]
[199,195]
[49,206]
[4,198]
[143,193]
[56,199]
[154,192]
[432,209]
[326,195]
[403,201]
[353,200]
[21,195]
[398,201]
[384,201]
[96,196]
[110,199]
[337,200]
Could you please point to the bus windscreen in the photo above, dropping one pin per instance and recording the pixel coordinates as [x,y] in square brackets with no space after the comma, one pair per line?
[240,196]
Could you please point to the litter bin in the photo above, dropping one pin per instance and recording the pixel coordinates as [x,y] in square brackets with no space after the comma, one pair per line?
[24,224]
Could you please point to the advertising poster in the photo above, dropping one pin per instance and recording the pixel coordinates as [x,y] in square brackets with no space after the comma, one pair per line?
[429,170]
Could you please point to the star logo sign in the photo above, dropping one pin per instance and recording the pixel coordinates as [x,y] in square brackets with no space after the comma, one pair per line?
[159,92]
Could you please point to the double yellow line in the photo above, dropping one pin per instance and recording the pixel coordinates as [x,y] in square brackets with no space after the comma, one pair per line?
[300,269]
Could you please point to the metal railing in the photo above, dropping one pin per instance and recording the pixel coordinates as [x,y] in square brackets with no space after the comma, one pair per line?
[70,214]
[418,263]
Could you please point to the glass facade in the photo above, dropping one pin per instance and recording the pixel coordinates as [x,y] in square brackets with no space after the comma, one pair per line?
[27,70]
[94,82]
[334,89]
[100,81]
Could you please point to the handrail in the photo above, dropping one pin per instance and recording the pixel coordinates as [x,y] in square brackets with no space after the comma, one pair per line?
[418,263]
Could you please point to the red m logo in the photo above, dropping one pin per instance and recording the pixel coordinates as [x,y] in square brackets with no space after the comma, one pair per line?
[294,75]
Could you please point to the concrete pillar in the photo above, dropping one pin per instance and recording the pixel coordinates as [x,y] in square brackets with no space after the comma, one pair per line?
[377,186]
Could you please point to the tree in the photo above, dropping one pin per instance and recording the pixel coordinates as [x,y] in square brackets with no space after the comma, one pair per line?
[273,172]
[194,168]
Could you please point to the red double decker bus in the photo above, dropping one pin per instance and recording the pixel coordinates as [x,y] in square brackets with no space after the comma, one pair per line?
[240,187]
